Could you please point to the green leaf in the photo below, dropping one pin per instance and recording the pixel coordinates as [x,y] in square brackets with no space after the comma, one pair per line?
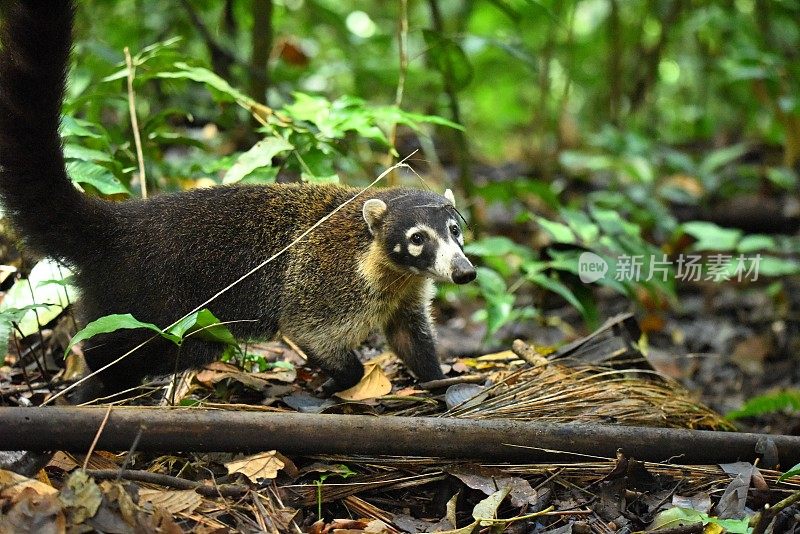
[393,114]
[793,472]
[675,517]
[581,225]
[112,323]
[710,236]
[755,242]
[551,284]
[260,155]
[612,223]
[782,177]
[88,172]
[493,246]
[719,158]
[205,76]
[561,233]
[81,153]
[448,58]
[72,127]
[486,510]
[772,266]
[770,403]
[42,301]
[204,325]
[499,302]
[8,317]
[577,161]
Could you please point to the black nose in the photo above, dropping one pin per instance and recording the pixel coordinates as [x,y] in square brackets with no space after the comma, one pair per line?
[464,275]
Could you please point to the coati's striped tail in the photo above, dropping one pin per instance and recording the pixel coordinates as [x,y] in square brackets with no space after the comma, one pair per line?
[55,218]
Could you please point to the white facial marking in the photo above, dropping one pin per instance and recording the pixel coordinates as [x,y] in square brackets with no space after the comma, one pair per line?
[447,250]
[415,250]
[397,248]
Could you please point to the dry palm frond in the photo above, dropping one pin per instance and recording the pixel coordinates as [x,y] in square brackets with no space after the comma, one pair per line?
[558,393]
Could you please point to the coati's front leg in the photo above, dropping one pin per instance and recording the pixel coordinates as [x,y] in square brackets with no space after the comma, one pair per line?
[410,335]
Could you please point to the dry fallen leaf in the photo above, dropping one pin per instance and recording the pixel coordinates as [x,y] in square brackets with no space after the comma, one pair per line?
[32,513]
[174,502]
[218,371]
[11,484]
[259,466]
[373,384]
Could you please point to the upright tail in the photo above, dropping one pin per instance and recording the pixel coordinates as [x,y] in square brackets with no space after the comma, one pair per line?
[36,193]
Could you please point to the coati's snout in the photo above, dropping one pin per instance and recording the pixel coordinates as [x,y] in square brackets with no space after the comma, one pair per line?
[419,232]
[463,271]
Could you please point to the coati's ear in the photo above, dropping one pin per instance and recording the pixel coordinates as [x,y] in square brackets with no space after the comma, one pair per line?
[448,194]
[374,209]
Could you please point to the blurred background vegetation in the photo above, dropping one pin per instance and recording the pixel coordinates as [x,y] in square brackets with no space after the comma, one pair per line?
[642,127]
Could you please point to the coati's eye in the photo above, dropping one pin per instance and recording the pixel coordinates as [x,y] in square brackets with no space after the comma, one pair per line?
[417,238]
[455,230]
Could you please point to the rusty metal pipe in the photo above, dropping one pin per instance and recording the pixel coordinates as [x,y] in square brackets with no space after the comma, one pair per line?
[73,429]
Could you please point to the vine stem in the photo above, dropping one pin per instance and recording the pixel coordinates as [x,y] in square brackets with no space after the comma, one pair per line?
[402,45]
[135,122]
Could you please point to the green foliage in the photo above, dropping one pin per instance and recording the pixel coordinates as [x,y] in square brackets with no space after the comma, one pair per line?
[676,516]
[201,323]
[10,317]
[793,472]
[259,156]
[782,401]
[42,297]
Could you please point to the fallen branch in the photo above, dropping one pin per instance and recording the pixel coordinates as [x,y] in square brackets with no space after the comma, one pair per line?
[73,428]
[222,490]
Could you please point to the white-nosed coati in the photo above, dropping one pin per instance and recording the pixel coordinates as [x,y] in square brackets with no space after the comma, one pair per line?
[369,266]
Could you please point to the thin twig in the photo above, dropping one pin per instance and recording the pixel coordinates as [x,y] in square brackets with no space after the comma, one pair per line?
[237,281]
[96,438]
[447,382]
[135,122]
[292,345]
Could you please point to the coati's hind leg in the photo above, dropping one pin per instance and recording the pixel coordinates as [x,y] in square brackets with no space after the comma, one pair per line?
[341,365]
[410,335]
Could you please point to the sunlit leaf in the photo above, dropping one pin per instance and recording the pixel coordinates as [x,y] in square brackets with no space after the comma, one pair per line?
[373,384]
[487,508]
[782,401]
[204,325]
[43,302]
[99,177]
[561,233]
[257,467]
[756,242]
[721,157]
[710,236]
[260,155]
